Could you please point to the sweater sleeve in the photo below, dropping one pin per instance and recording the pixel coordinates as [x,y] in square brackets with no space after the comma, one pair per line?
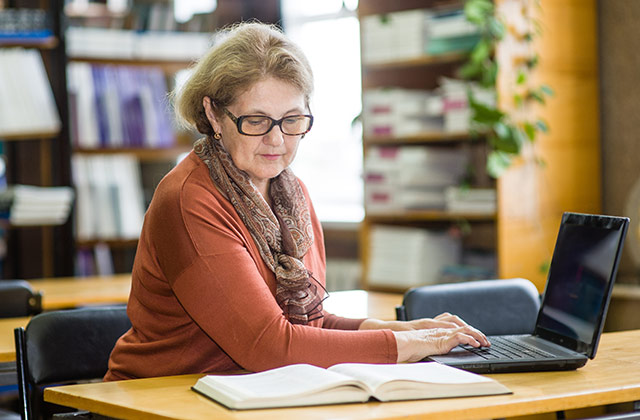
[224,295]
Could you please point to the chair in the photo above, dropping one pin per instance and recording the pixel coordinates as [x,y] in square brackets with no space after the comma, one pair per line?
[18,299]
[64,347]
[495,307]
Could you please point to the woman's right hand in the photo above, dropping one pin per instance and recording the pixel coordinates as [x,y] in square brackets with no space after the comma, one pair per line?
[415,345]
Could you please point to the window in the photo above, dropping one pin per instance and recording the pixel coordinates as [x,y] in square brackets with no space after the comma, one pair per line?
[329,159]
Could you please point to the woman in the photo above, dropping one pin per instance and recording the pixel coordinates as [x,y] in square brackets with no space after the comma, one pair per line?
[230,267]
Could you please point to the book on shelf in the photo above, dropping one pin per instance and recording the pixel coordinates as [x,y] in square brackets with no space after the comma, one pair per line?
[411,34]
[411,177]
[110,199]
[41,206]
[449,31]
[471,200]
[103,43]
[27,105]
[402,256]
[118,107]
[300,385]
[24,25]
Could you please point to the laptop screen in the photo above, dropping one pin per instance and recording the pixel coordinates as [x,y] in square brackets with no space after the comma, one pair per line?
[581,276]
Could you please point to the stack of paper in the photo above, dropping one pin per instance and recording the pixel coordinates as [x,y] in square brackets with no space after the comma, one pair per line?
[411,177]
[406,256]
[33,205]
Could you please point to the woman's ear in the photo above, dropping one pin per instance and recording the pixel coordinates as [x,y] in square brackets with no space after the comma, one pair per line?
[207,103]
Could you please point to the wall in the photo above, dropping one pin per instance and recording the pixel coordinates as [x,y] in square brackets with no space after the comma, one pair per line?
[619,39]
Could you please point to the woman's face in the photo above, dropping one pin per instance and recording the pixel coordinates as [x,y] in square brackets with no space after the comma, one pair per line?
[262,157]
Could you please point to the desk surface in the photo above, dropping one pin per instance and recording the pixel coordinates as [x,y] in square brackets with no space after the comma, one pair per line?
[7,346]
[612,377]
[70,292]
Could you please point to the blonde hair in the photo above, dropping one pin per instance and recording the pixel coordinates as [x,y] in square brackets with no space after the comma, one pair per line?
[245,54]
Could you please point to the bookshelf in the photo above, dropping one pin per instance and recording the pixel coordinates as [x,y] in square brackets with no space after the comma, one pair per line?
[530,197]
[41,158]
[144,38]
[417,73]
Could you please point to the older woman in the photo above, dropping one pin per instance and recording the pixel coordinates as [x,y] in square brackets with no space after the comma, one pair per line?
[230,268]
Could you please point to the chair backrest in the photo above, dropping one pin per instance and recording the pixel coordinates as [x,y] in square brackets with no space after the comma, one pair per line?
[65,346]
[18,299]
[495,307]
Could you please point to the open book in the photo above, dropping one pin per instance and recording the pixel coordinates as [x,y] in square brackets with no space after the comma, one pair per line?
[298,385]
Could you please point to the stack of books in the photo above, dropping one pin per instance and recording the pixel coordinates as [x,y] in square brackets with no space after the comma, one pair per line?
[129,44]
[27,105]
[110,198]
[399,112]
[118,107]
[413,34]
[40,206]
[456,110]
[394,36]
[471,200]
[449,32]
[411,177]
[406,256]
[24,25]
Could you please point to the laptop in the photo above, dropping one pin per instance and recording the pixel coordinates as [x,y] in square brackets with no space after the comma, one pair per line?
[574,306]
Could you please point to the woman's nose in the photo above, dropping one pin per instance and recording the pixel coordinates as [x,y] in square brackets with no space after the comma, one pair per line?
[275,137]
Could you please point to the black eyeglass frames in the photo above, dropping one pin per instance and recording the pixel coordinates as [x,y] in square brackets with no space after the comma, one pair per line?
[259,125]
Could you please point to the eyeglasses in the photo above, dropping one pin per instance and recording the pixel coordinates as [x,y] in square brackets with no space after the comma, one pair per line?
[259,125]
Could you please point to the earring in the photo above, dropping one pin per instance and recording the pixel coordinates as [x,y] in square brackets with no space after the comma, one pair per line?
[217,136]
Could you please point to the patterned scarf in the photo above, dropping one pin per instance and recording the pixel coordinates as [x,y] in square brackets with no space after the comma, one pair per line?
[283,235]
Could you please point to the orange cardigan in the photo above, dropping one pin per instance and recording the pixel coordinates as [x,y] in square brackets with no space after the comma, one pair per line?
[202,300]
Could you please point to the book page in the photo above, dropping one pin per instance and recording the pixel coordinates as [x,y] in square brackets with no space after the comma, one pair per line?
[285,382]
[419,380]
[430,372]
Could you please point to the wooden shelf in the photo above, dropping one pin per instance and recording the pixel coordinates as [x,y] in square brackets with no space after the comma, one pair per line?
[112,243]
[143,154]
[428,216]
[47,43]
[29,136]
[376,7]
[427,137]
[167,66]
[427,60]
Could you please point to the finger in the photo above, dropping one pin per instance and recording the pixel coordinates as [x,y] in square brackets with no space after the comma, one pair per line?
[477,335]
[446,316]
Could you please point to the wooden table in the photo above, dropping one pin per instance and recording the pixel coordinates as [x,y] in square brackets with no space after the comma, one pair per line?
[7,346]
[612,377]
[8,349]
[71,292]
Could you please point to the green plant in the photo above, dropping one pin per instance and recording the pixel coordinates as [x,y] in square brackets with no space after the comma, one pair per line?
[505,134]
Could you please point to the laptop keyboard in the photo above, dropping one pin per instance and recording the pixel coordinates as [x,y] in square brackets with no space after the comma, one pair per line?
[503,348]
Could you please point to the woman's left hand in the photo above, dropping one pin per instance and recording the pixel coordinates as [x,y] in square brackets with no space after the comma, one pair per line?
[444,320]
